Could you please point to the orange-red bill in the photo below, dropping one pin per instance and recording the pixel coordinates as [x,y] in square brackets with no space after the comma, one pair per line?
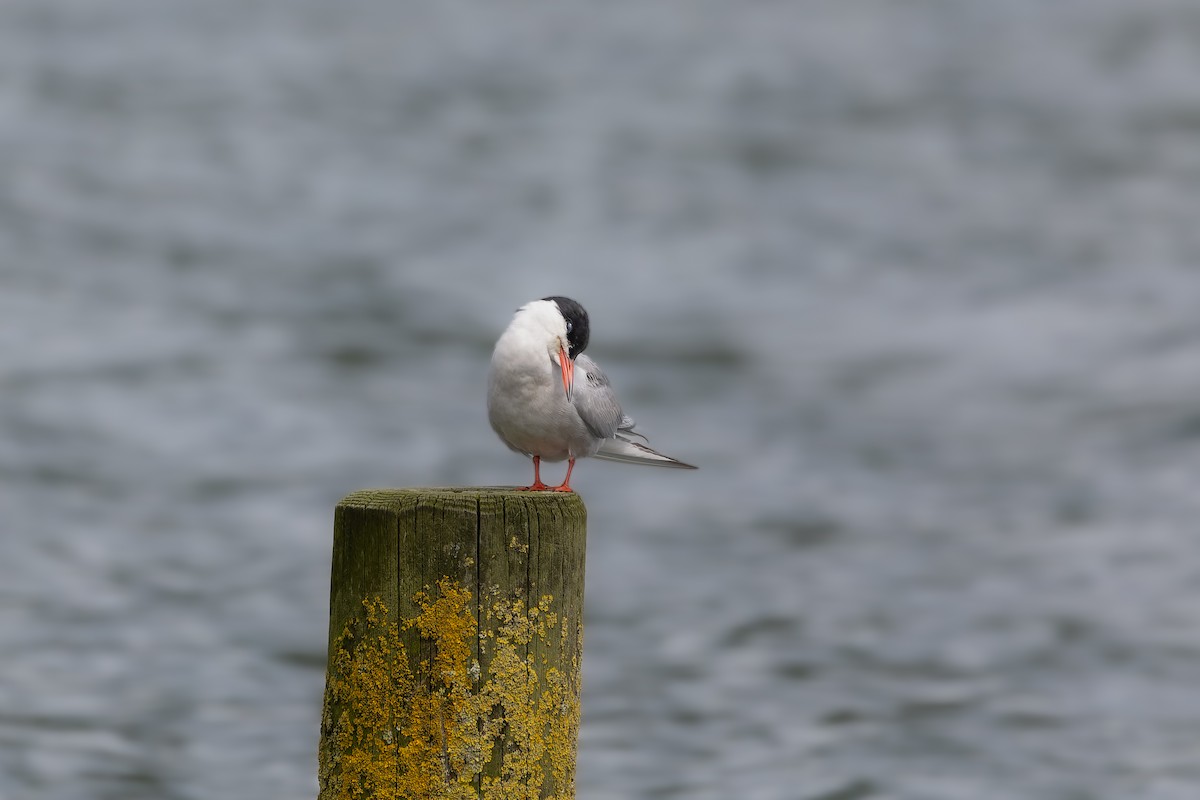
[568,370]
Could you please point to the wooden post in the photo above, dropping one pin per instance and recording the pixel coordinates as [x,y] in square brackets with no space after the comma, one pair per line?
[455,637]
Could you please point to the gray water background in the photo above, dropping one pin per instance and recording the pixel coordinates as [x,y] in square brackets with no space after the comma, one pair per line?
[915,283]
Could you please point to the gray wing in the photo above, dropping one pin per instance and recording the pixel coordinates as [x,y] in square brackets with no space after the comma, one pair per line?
[597,406]
[595,401]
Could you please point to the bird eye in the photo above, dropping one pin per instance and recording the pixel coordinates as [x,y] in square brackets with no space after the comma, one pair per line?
[569,326]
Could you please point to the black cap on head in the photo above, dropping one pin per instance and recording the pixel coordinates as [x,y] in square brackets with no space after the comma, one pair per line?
[578,329]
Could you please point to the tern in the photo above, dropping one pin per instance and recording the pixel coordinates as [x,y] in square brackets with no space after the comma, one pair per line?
[550,402]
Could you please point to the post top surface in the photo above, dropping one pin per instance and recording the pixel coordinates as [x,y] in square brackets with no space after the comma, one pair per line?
[389,498]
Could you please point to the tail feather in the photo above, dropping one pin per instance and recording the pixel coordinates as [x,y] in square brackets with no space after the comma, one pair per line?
[630,452]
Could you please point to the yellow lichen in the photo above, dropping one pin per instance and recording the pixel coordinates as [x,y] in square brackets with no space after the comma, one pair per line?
[443,753]
[369,686]
[445,727]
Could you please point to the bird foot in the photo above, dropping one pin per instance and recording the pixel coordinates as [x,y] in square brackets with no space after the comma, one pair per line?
[561,488]
[537,486]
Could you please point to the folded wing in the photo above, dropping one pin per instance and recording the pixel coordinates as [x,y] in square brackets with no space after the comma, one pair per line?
[598,407]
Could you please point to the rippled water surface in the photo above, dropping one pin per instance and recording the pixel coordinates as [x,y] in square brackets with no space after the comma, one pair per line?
[914,282]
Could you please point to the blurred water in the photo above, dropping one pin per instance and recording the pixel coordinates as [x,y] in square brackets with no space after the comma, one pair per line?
[913,282]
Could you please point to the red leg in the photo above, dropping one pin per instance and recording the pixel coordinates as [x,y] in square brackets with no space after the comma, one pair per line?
[537,484]
[564,487]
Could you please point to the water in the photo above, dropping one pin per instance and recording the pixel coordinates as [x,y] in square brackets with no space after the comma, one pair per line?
[913,282]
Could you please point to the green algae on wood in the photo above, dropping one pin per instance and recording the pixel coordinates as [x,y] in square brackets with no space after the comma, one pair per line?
[455,644]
